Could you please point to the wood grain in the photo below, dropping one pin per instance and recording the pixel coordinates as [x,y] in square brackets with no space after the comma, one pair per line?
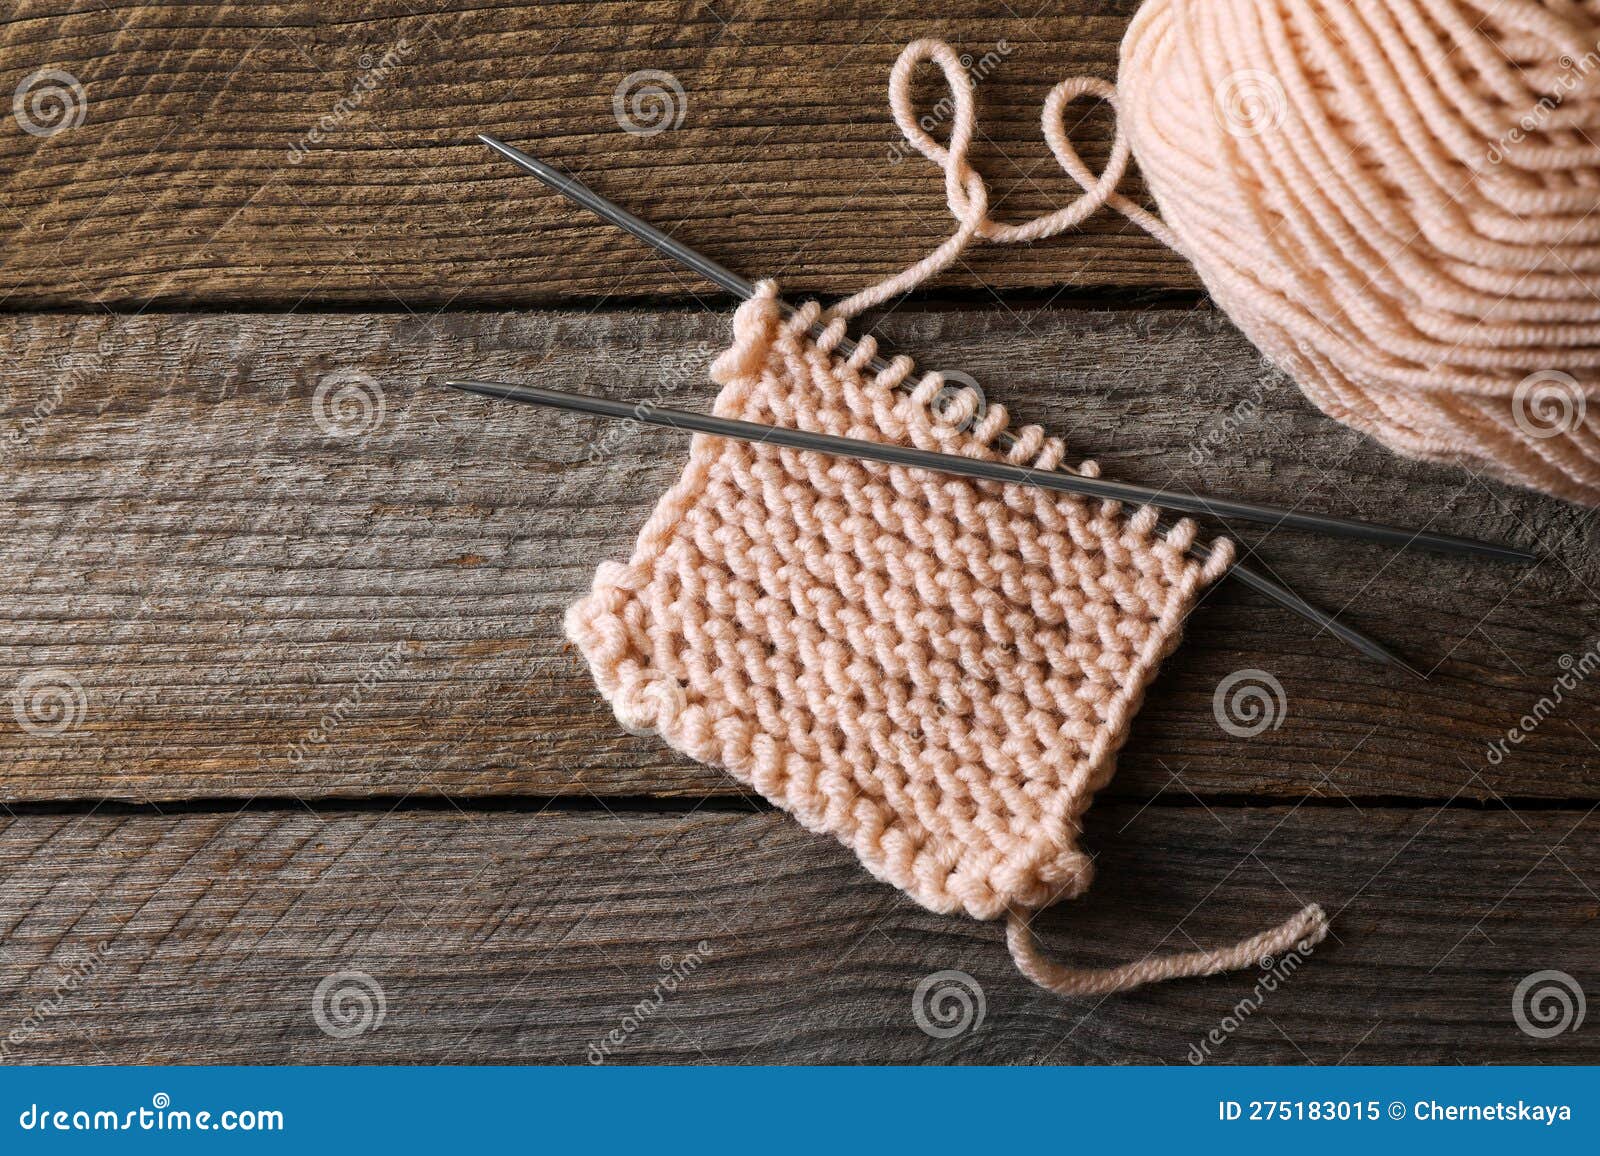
[513,938]
[190,539]
[181,185]
[258,567]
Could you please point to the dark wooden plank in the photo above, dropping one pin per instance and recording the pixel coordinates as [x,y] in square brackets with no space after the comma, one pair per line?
[180,184]
[518,938]
[219,573]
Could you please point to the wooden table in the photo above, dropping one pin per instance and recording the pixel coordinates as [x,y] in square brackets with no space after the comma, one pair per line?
[299,608]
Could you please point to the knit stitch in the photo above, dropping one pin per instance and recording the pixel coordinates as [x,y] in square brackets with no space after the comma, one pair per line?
[938,672]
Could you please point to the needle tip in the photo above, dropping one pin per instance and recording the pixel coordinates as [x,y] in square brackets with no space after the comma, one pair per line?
[504,149]
[494,389]
[1390,658]
[1455,544]
[1411,670]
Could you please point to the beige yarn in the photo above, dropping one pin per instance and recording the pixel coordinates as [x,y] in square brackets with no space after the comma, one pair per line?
[1396,201]
[937,672]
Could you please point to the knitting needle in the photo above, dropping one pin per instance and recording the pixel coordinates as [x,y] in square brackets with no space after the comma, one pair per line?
[896,455]
[580,193]
[1217,507]
[987,471]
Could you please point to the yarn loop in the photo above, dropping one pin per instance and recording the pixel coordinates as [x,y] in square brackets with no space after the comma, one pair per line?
[1396,202]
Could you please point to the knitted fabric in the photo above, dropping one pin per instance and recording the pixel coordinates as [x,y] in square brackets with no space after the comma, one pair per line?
[938,672]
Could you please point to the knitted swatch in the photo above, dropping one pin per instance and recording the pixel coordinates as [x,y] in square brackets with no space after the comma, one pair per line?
[937,672]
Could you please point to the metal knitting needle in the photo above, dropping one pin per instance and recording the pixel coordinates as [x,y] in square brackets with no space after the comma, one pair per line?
[581,194]
[899,455]
[891,454]
[1217,507]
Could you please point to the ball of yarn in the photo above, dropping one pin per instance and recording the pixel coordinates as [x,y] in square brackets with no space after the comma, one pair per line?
[1396,201]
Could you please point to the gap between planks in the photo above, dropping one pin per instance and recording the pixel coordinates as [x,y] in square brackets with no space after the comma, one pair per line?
[712,804]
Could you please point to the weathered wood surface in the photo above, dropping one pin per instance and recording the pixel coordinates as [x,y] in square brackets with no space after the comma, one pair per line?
[180,184]
[498,937]
[189,538]
[261,557]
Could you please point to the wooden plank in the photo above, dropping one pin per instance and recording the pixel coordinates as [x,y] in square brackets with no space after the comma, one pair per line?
[220,573]
[516,938]
[185,183]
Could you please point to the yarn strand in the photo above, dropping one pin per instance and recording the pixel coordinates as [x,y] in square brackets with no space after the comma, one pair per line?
[1300,932]
[967,193]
